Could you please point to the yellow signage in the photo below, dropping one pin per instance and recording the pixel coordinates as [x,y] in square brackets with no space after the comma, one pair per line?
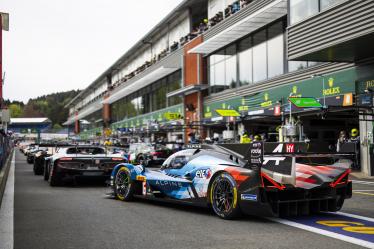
[207,115]
[267,102]
[108,132]
[369,84]
[228,113]
[331,90]
[243,108]
[172,116]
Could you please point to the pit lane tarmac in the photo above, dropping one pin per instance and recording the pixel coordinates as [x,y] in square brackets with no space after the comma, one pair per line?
[82,217]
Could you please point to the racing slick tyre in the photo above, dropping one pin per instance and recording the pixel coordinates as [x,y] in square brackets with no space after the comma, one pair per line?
[46,171]
[224,197]
[38,170]
[55,179]
[124,187]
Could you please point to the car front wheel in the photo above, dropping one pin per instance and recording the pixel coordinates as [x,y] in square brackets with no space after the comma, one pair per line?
[124,187]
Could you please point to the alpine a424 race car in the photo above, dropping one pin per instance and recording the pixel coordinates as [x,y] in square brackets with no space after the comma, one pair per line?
[268,179]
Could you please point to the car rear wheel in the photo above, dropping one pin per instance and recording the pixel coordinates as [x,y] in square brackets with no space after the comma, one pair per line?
[38,169]
[123,186]
[224,197]
[55,178]
[46,171]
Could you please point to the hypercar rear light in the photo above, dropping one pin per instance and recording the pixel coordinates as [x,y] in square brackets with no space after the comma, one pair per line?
[341,179]
[156,153]
[266,180]
[66,159]
[117,159]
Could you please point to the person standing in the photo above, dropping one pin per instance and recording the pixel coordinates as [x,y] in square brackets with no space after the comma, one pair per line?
[341,140]
[355,138]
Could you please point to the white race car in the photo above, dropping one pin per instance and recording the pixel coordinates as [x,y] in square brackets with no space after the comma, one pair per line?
[73,161]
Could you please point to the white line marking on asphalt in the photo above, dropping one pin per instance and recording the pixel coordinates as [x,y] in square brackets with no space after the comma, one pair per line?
[7,211]
[325,233]
[363,190]
[355,216]
[363,182]
[363,193]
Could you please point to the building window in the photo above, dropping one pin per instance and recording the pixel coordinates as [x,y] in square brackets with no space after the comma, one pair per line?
[259,56]
[148,99]
[174,83]
[297,65]
[255,58]
[245,61]
[275,50]
[231,64]
[222,67]
[301,9]
[300,65]
[327,3]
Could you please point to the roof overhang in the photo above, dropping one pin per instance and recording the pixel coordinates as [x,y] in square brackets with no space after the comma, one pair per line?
[140,83]
[187,90]
[85,112]
[249,24]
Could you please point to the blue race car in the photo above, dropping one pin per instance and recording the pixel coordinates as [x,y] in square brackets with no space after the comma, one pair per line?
[271,179]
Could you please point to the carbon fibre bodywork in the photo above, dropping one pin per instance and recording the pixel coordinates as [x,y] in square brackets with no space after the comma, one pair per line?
[294,182]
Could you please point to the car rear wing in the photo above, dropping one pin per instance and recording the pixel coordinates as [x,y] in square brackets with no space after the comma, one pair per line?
[279,160]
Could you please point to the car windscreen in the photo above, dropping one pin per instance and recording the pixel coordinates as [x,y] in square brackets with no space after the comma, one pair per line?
[86,150]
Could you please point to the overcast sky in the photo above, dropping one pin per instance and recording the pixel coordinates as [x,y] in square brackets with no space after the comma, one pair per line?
[59,45]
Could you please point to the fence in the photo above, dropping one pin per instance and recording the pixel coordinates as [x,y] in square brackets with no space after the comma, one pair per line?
[6,146]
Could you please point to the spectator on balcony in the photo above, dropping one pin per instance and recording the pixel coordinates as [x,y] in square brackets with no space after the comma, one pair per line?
[202,28]
[235,7]
[174,46]
[244,3]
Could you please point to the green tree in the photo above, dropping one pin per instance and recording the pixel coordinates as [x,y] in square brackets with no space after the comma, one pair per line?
[57,127]
[16,110]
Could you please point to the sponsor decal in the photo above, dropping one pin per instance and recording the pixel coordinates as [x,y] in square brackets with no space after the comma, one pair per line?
[267,102]
[294,92]
[208,112]
[228,113]
[243,107]
[249,197]
[193,146]
[204,173]
[277,160]
[331,90]
[172,115]
[290,148]
[256,155]
[168,183]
